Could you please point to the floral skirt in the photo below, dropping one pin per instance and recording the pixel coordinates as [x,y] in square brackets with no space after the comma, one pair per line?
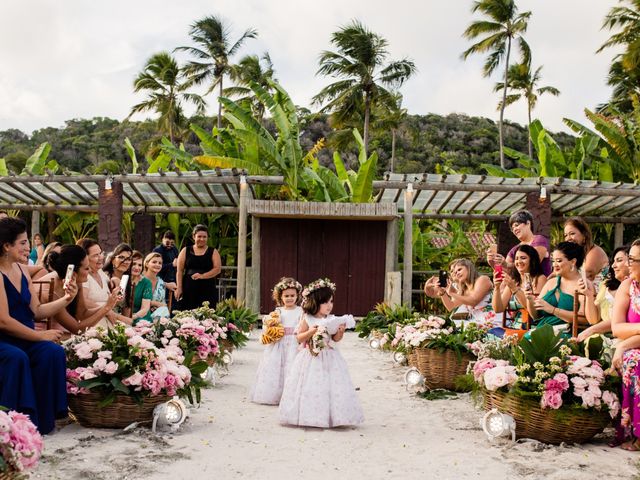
[630,418]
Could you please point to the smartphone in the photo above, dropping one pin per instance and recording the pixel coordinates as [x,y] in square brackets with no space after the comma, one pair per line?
[583,274]
[527,284]
[498,270]
[442,278]
[67,277]
[123,283]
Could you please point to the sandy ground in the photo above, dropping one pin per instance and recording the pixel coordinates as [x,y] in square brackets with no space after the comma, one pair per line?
[403,437]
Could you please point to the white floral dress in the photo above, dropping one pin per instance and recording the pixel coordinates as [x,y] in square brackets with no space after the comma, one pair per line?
[318,391]
[276,360]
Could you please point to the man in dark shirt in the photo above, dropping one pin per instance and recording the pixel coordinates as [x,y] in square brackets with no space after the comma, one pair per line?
[169,254]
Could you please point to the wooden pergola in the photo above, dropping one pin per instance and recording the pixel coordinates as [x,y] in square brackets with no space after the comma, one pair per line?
[410,196]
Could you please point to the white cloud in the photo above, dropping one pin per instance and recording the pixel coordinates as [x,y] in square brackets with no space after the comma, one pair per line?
[78,58]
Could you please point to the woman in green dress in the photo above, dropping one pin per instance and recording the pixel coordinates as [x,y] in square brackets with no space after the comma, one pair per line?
[142,290]
[555,303]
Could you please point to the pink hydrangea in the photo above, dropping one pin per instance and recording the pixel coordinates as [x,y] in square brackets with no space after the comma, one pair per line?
[21,444]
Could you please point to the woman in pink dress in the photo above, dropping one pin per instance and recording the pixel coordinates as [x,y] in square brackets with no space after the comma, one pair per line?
[625,325]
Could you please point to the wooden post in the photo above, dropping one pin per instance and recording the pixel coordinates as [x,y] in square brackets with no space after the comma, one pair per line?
[407,268]
[144,232]
[540,208]
[253,280]
[109,214]
[242,240]
[619,235]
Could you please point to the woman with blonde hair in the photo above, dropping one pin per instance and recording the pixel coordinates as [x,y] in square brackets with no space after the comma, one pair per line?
[142,291]
[152,266]
[596,261]
[467,293]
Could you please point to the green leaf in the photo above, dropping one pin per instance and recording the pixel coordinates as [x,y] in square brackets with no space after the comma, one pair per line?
[36,162]
[363,187]
[119,386]
[542,345]
[132,155]
[91,383]
[3,168]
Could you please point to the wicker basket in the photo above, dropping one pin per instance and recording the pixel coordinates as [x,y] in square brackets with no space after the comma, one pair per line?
[412,359]
[122,412]
[440,369]
[226,345]
[11,475]
[547,425]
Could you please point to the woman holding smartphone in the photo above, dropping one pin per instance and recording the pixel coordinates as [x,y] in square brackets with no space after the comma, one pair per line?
[514,294]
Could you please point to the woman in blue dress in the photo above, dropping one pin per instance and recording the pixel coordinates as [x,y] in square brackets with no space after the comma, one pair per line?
[32,366]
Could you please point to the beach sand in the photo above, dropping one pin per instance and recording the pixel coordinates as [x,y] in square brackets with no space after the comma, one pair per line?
[403,437]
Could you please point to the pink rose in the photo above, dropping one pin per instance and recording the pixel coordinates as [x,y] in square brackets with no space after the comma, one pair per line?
[111,368]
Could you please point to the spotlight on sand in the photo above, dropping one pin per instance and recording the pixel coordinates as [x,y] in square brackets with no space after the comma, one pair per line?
[171,414]
[399,358]
[209,375]
[374,343]
[496,424]
[413,378]
[227,359]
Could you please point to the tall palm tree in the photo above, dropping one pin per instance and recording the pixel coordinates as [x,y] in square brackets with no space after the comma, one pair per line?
[212,53]
[166,91]
[503,26]
[525,84]
[359,63]
[251,69]
[623,73]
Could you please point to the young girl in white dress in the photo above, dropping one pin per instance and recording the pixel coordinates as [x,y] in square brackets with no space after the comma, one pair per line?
[318,391]
[277,356]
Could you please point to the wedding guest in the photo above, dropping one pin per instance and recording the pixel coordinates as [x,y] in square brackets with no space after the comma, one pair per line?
[142,290]
[169,253]
[152,267]
[37,252]
[596,262]
[118,264]
[32,366]
[198,265]
[52,247]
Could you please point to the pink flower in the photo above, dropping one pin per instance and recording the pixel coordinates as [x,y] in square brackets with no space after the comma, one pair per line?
[558,384]
[482,366]
[111,368]
[133,380]
[501,376]
[611,401]
[551,399]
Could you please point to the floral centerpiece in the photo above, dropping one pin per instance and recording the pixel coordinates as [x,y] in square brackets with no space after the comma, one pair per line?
[20,444]
[121,365]
[543,377]
[382,320]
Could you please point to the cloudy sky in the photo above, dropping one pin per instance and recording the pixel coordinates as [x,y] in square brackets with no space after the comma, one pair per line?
[77,58]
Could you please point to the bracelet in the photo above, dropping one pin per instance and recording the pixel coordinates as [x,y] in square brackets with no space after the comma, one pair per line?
[554,311]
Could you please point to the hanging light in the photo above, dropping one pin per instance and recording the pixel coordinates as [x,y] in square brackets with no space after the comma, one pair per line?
[399,358]
[496,424]
[107,183]
[413,377]
[374,343]
[171,414]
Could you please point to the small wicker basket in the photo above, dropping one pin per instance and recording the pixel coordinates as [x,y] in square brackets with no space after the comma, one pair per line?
[569,425]
[10,475]
[226,345]
[440,369]
[412,359]
[122,412]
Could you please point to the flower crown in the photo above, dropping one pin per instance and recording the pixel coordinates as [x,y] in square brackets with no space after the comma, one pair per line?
[318,284]
[282,285]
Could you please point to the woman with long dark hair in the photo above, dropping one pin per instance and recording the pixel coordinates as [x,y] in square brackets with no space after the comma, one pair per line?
[32,366]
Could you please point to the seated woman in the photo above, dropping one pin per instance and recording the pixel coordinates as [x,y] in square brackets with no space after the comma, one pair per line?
[118,264]
[521,224]
[625,325]
[512,294]
[152,266]
[554,305]
[96,290]
[467,292]
[142,291]
[52,247]
[32,367]
[596,261]
[599,308]
[76,317]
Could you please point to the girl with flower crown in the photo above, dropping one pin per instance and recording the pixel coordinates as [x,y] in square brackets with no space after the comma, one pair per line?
[281,343]
[318,391]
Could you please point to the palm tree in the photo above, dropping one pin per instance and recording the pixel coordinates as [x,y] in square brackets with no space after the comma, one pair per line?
[623,73]
[503,25]
[213,51]
[161,79]
[391,119]
[251,69]
[359,63]
[522,81]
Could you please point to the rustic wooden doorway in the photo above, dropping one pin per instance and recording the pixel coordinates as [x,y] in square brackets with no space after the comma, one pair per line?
[350,252]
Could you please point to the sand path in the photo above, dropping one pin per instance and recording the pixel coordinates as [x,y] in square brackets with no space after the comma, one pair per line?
[403,437]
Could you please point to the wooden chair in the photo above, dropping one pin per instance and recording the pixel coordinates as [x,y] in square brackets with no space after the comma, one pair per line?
[170,300]
[45,295]
[575,321]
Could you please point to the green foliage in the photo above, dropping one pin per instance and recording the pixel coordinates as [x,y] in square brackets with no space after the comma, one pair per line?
[541,346]
[382,317]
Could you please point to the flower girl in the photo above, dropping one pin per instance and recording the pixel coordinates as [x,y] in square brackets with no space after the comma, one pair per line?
[280,341]
[318,391]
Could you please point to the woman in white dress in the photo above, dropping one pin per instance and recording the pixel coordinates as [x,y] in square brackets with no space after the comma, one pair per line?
[318,391]
[278,355]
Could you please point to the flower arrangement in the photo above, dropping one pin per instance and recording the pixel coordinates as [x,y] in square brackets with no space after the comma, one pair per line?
[285,284]
[545,368]
[418,333]
[383,319]
[237,318]
[20,443]
[317,284]
[274,330]
[123,360]
[319,341]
